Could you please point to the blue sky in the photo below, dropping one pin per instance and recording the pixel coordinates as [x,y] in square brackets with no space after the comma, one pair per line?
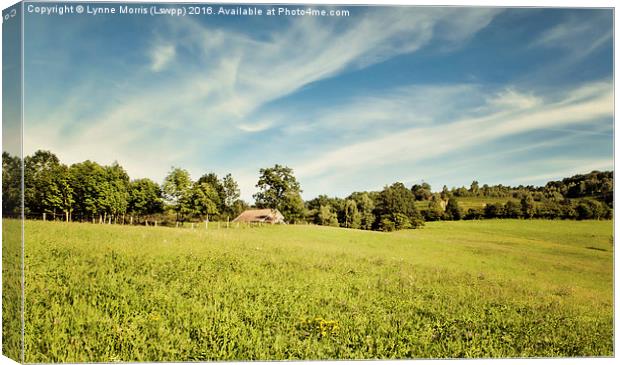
[410,94]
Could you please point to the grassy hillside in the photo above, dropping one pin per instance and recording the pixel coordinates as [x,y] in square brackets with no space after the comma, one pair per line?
[470,202]
[494,288]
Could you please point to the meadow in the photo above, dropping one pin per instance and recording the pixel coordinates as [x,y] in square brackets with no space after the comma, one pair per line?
[492,288]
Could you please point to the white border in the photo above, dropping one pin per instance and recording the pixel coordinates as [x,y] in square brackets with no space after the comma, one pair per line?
[490,3]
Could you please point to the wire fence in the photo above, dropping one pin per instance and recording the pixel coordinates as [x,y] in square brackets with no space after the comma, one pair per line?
[129,220]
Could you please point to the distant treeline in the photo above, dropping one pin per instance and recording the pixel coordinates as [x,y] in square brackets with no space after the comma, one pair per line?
[88,191]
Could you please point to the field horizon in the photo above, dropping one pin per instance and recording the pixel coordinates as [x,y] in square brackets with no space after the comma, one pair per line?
[493,288]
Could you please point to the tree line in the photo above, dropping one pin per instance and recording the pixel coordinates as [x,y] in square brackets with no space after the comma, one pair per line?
[88,191]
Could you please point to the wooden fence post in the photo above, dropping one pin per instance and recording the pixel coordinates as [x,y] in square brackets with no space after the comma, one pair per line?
[227,222]
[44,217]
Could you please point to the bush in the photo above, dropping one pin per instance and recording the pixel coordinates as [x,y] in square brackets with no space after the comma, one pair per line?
[474,213]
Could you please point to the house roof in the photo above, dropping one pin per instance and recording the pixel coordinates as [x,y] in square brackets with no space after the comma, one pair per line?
[260,215]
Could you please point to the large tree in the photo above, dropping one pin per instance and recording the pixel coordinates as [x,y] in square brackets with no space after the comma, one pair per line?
[88,182]
[11,183]
[145,197]
[422,192]
[116,191]
[352,217]
[39,189]
[176,188]
[365,207]
[230,194]
[396,202]
[453,210]
[279,189]
[213,180]
[200,201]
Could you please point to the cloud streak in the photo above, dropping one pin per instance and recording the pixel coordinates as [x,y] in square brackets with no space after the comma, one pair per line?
[582,105]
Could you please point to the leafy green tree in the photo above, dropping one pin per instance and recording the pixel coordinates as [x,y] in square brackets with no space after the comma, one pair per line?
[453,210]
[230,194]
[394,221]
[365,207]
[512,210]
[60,196]
[39,189]
[176,188]
[422,192]
[590,209]
[11,184]
[434,211]
[115,197]
[493,210]
[387,223]
[239,206]
[88,180]
[327,217]
[445,193]
[213,180]
[279,189]
[353,219]
[293,208]
[527,206]
[200,201]
[474,188]
[398,199]
[145,197]
[474,213]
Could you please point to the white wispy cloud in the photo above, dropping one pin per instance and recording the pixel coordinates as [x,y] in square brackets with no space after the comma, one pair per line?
[161,56]
[415,144]
[579,35]
[219,77]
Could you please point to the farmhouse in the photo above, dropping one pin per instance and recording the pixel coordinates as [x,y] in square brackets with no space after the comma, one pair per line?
[271,216]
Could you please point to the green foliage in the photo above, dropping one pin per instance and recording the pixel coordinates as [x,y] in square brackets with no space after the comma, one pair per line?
[144,197]
[434,210]
[590,209]
[352,217]
[365,207]
[212,180]
[453,210]
[512,210]
[527,206]
[394,202]
[278,189]
[176,189]
[11,184]
[98,293]
[495,210]
[230,195]
[88,180]
[327,217]
[422,192]
[200,201]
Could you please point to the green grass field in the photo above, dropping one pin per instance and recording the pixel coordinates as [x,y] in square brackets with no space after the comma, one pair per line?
[471,202]
[498,288]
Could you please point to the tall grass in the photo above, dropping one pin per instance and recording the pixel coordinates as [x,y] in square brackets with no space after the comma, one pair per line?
[453,289]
